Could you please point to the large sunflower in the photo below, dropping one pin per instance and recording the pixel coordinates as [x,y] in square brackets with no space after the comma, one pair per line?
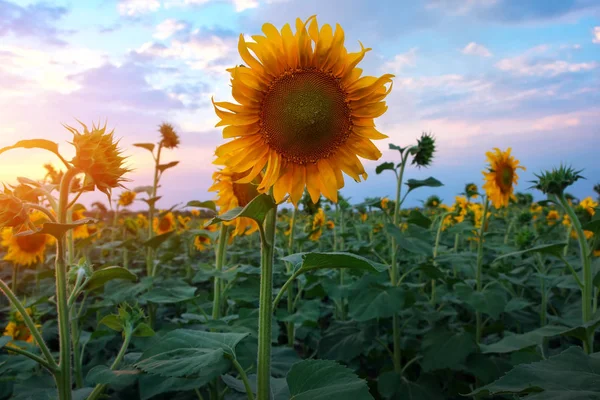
[232,194]
[304,113]
[29,249]
[501,177]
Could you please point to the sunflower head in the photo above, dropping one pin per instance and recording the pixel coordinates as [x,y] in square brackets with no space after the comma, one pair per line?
[552,217]
[26,250]
[80,231]
[385,202]
[433,201]
[319,219]
[170,139]
[423,152]
[557,180]
[589,205]
[126,198]
[501,177]
[201,242]
[330,225]
[12,211]
[471,190]
[98,156]
[304,113]
[164,223]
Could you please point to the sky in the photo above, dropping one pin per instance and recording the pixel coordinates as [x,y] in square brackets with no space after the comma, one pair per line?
[477,74]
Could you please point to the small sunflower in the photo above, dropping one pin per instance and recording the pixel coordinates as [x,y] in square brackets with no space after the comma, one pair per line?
[305,114]
[232,194]
[163,224]
[364,216]
[142,221]
[377,228]
[330,225]
[589,205]
[126,198]
[98,156]
[195,212]
[29,249]
[552,217]
[183,222]
[201,243]
[471,190]
[385,203]
[81,231]
[501,177]
[170,139]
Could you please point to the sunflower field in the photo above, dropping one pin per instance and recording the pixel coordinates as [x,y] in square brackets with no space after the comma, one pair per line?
[273,285]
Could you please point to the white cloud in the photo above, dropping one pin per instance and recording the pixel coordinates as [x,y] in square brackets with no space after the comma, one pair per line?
[529,64]
[596,33]
[401,61]
[474,49]
[168,28]
[136,7]
[239,5]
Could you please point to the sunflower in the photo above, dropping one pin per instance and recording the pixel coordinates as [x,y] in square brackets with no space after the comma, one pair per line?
[364,216]
[18,330]
[232,194]
[501,177]
[461,206]
[330,225]
[29,249]
[126,198]
[170,139]
[142,221]
[304,113]
[195,212]
[552,217]
[471,190]
[183,222]
[81,231]
[589,205]
[385,203]
[201,242]
[163,224]
[12,210]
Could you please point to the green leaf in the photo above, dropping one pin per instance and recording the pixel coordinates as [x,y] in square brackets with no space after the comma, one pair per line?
[376,302]
[58,230]
[394,147]
[101,276]
[429,182]
[147,146]
[593,226]
[169,295]
[156,241]
[570,375]
[407,241]
[491,301]
[257,210]
[446,350]
[144,189]
[102,375]
[34,144]
[392,386]
[143,330]
[517,342]
[555,249]
[304,262]
[163,167]
[113,322]
[209,204]
[417,218]
[344,341]
[325,380]
[4,340]
[385,166]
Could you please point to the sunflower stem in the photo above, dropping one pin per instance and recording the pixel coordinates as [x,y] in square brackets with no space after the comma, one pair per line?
[290,289]
[220,259]
[479,270]
[101,387]
[15,277]
[265,306]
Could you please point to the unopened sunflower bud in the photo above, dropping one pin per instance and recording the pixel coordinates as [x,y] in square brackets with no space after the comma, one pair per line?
[423,152]
[556,181]
[433,202]
[170,139]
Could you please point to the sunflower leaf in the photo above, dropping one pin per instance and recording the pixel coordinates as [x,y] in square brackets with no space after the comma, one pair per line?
[257,209]
[101,276]
[555,249]
[34,144]
[156,241]
[429,182]
[147,146]
[163,167]
[58,230]
[385,166]
[312,261]
[209,204]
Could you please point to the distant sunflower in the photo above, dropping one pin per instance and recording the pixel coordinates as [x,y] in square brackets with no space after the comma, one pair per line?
[232,194]
[26,250]
[126,198]
[163,224]
[589,205]
[364,216]
[304,113]
[201,242]
[81,231]
[330,224]
[501,177]
[552,217]
[385,203]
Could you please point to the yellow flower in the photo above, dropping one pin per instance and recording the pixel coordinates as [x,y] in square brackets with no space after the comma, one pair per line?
[552,217]
[232,194]
[163,224]
[195,212]
[330,225]
[319,219]
[26,250]
[364,216]
[385,203]
[588,234]
[589,205]
[377,227]
[315,234]
[81,231]
[535,208]
[127,198]
[566,220]
[98,156]
[596,253]
[201,242]
[183,222]
[142,221]
[304,113]
[501,177]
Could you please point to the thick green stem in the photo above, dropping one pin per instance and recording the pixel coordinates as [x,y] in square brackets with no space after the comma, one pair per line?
[101,387]
[479,270]
[76,350]
[438,236]
[265,306]
[219,261]
[586,262]
[290,327]
[243,377]
[15,277]
[151,212]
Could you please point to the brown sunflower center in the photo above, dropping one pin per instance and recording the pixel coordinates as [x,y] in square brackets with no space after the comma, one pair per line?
[31,244]
[504,178]
[244,192]
[165,224]
[305,116]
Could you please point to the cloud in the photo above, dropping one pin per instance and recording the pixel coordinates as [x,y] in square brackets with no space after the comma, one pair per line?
[401,61]
[475,49]
[596,33]
[132,8]
[169,27]
[534,62]
[34,20]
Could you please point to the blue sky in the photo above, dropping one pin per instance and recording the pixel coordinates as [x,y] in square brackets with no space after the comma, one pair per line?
[477,74]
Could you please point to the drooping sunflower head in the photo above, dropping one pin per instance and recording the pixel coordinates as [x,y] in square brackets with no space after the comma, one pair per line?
[471,190]
[319,219]
[501,176]
[170,139]
[98,156]
[164,223]
[142,221]
[423,152]
[26,250]
[126,198]
[232,194]
[12,211]
[304,113]
[27,193]
[330,225]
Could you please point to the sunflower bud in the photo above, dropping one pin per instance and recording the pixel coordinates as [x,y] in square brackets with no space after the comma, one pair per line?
[423,152]
[12,211]
[433,202]
[471,190]
[556,181]
[525,217]
[98,156]
[170,139]
[524,239]
[597,190]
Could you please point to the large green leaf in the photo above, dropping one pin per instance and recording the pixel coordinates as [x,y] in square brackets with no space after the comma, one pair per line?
[517,342]
[555,249]
[101,374]
[570,375]
[376,302]
[156,241]
[257,210]
[444,349]
[325,380]
[101,276]
[169,294]
[429,182]
[392,386]
[409,242]
[385,166]
[312,261]
[344,341]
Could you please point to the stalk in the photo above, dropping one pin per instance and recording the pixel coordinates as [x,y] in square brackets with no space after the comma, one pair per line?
[15,277]
[220,259]
[151,211]
[478,272]
[101,387]
[290,290]
[435,252]
[267,233]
